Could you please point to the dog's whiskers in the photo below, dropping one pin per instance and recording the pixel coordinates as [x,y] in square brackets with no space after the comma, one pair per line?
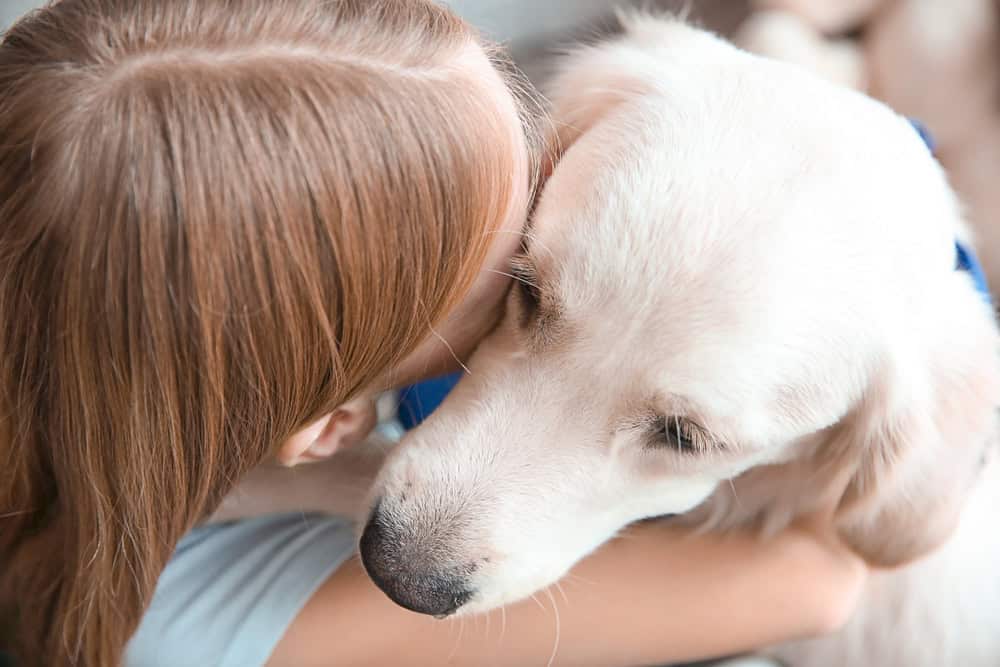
[503,622]
[519,279]
[458,639]
[571,578]
[441,338]
[533,239]
[558,627]
[558,587]
[736,496]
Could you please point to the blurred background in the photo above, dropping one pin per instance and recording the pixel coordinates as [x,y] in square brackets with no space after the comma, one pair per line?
[532,29]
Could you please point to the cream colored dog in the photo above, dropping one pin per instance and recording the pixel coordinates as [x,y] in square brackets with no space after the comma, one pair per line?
[738,301]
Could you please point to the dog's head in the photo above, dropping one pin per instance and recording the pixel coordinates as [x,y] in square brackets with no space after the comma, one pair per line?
[733,265]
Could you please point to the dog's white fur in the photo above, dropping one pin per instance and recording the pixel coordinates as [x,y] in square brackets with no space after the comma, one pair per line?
[734,241]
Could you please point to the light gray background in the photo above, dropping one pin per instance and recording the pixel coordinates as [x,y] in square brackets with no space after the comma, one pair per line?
[503,19]
[11,9]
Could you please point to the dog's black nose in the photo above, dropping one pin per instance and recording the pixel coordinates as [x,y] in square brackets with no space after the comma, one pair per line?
[405,575]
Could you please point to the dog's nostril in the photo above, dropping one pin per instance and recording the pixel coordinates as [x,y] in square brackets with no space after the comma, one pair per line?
[397,570]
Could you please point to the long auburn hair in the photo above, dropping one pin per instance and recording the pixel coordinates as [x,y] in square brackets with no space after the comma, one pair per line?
[218,220]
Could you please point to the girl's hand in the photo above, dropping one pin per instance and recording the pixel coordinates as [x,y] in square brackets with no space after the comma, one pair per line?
[847,571]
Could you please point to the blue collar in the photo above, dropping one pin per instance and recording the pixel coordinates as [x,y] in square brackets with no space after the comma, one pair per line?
[965,256]
[966,260]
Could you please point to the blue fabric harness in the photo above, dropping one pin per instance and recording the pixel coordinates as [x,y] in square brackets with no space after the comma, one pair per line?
[965,256]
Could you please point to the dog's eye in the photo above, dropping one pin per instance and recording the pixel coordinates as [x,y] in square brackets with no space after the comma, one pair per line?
[527,285]
[679,434]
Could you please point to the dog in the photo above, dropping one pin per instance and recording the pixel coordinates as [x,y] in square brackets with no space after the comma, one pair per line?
[738,303]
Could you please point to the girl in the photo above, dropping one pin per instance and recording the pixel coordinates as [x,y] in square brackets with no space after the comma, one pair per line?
[221,220]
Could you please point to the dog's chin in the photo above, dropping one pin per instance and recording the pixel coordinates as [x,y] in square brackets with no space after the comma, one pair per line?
[531,569]
[498,593]
[518,578]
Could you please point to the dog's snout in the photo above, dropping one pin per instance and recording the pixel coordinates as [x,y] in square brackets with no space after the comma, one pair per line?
[397,567]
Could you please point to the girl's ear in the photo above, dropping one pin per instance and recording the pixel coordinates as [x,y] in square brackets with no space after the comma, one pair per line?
[297,448]
[348,425]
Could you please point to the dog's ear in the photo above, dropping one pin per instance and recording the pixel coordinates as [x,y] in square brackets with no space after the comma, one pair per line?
[911,451]
[592,81]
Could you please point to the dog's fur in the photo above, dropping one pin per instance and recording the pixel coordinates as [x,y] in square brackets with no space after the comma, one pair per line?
[732,241]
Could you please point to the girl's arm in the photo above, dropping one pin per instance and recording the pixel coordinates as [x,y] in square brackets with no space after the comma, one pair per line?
[338,485]
[657,594]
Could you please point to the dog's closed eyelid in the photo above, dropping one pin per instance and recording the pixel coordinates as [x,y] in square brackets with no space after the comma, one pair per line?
[677,433]
[523,268]
[681,435]
[523,272]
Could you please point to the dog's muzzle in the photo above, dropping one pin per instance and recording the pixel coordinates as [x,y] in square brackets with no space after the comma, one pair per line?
[402,565]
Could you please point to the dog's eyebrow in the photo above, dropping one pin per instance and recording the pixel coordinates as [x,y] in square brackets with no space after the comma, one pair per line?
[529,223]
[526,236]
[524,271]
[538,294]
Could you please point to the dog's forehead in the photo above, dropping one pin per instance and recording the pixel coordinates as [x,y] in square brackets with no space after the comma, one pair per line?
[664,223]
[723,188]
